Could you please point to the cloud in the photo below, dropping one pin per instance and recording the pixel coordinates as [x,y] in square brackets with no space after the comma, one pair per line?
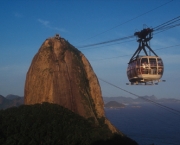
[55,28]
[43,22]
[18,15]
[47,25]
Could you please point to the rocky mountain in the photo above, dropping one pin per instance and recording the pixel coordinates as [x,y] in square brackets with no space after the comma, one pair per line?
[61,74]
[114,104]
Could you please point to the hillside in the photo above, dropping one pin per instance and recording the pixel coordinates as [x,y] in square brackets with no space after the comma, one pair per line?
[52,124]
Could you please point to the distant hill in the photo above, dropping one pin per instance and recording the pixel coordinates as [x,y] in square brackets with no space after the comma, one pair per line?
[3,102]
[15,100]
[52,124]
[142,99]
[114,104]
[11,97]
[10,101]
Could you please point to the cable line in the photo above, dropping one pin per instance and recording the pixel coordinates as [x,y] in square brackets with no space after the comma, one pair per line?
[107,45]
[177,112]
[167,47]
[166,28]
[130,20]
[110,57]
[110,41]
[131,54]
[167,23]
[162,27]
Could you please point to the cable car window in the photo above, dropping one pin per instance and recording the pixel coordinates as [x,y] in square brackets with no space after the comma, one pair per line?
[134,64]
[144,61]
[160,66]
[160,63]
[144,66]
[138,62]
[153,66]
[160,70]
[152,61]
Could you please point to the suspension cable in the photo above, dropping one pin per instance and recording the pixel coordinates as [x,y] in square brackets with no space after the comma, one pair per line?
[162,27]
[167,23]
[130,19]
[177,112]
[131,54]
[109,41]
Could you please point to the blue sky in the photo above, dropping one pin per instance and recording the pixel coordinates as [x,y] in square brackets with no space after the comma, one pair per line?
[25,25]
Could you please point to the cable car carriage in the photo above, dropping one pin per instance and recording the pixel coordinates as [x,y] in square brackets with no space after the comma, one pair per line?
[144,69]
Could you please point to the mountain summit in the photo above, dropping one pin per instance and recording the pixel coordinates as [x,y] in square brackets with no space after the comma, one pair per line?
[61,74]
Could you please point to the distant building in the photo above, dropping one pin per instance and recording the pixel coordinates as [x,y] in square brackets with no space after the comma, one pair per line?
[57,36]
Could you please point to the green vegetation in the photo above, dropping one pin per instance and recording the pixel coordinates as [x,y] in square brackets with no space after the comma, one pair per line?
[51,124]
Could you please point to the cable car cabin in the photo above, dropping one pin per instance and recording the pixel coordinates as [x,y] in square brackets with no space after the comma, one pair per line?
[145,69]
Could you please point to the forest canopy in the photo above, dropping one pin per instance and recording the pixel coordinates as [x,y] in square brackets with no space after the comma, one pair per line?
[51,124]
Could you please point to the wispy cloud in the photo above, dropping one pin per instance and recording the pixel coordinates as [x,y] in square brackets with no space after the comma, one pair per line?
[18,15]
[43,22]
[47,24]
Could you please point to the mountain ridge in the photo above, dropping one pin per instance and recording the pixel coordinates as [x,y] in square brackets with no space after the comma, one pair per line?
[7,102]
[142,99]
[11,101]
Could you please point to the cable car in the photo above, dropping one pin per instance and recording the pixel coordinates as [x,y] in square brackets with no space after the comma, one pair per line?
[144,69]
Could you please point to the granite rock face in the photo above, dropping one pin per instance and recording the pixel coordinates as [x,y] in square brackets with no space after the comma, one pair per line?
[61,74]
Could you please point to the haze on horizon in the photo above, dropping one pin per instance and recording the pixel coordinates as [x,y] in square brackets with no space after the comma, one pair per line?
[25,25]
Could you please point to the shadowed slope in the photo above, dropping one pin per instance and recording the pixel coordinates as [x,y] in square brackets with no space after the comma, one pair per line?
[52,124]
